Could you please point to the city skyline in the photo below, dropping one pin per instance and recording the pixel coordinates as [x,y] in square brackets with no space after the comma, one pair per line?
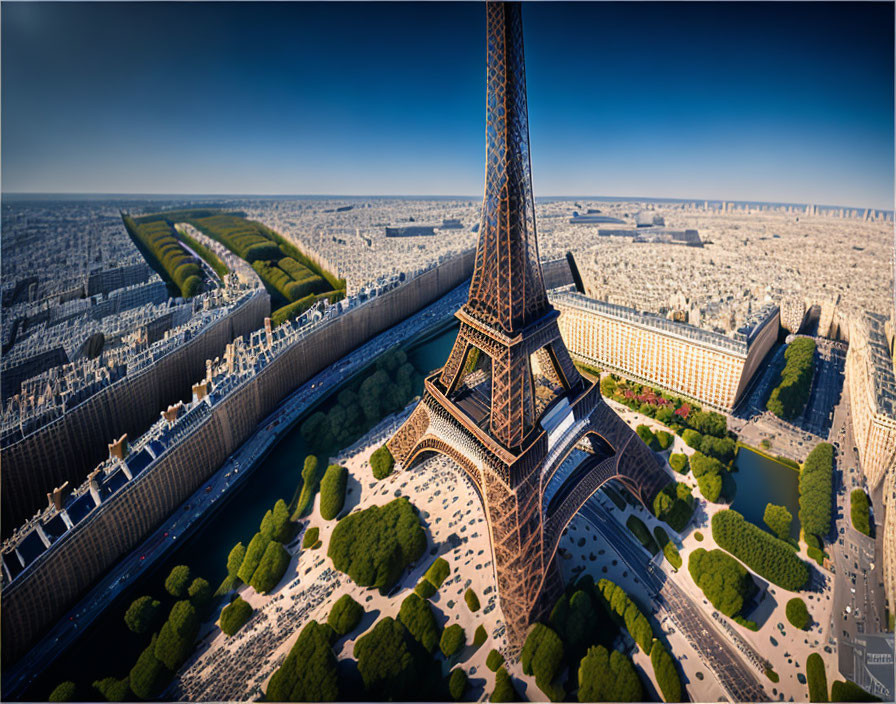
[795,105]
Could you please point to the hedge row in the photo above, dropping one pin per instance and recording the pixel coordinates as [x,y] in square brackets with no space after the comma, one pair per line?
[620,604]
[642,533]
[769,557]
[815,487]
[789,397]
[166,254]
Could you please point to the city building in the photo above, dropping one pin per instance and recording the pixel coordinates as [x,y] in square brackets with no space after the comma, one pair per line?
[872,393]
[708,367]
[535,440]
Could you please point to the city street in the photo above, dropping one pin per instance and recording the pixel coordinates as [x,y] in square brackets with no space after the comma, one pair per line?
[859,602]
[738,681]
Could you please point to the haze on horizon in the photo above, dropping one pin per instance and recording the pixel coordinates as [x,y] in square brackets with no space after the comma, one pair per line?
[780,102]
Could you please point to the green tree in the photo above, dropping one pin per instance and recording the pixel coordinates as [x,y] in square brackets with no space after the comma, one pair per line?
[860,511]
[608,677]
[386,662]
[542,656]
[815,490]
[332,491]
[666,673]
[457,683]
[374,546]
[113,689]
[200,593]
[308,674]
[142,614]
[235,559]
[175,641]
[472,600]
[724,581]
[382,462]
[778,518]
[480,636]
[504,690]
[148,675]
[235,615]
[64,692]
[494,660]
[254,553]
[766,555]
[178,581]
[416,615]
[453,639]
[798,614]
[345,615]
[271,568]
[816,678]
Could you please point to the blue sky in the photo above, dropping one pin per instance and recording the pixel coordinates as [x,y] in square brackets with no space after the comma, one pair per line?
[745,101]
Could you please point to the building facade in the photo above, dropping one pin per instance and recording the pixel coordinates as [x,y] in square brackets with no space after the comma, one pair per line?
[708,367]
[872,394]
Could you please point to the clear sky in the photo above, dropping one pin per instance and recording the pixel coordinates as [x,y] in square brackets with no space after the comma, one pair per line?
[741,101]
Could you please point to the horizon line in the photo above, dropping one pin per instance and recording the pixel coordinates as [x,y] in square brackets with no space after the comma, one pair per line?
[626,198]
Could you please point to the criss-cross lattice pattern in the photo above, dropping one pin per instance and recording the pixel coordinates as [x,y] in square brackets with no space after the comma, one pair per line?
[507,291]
[492,427]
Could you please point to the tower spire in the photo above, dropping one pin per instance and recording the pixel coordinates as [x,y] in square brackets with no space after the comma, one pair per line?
[507,291]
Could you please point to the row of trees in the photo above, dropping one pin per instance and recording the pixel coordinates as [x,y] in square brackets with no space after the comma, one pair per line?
[264,560]
[386,390]
[375,545]
[670,550]
[542,656]
[156,241]
[815,486]
[789,397]
[765,554]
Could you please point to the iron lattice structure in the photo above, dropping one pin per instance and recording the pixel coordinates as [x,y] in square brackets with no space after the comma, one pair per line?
[509,406]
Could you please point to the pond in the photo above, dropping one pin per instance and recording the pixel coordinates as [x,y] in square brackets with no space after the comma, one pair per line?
[760,481]
[107,648]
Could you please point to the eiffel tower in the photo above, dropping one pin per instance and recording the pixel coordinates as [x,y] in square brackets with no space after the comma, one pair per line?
[509,406]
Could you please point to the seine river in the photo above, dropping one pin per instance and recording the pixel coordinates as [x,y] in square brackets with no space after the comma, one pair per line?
[108,648]
[761,481]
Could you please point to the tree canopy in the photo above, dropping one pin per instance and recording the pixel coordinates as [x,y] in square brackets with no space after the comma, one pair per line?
[345,615]
[142,614]
[608,676]
[666,673]
[374,546]
[381,462]
[416,615]
[235,615]
[789,397]
[386,662]
[308,674]
[453,639]
[332,491]
[765,554]
[724,581]
[815,490]
[798,614]
[778,518]
[178,581]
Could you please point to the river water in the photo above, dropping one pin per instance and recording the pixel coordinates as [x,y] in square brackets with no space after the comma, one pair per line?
[107,647]
[761,481]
